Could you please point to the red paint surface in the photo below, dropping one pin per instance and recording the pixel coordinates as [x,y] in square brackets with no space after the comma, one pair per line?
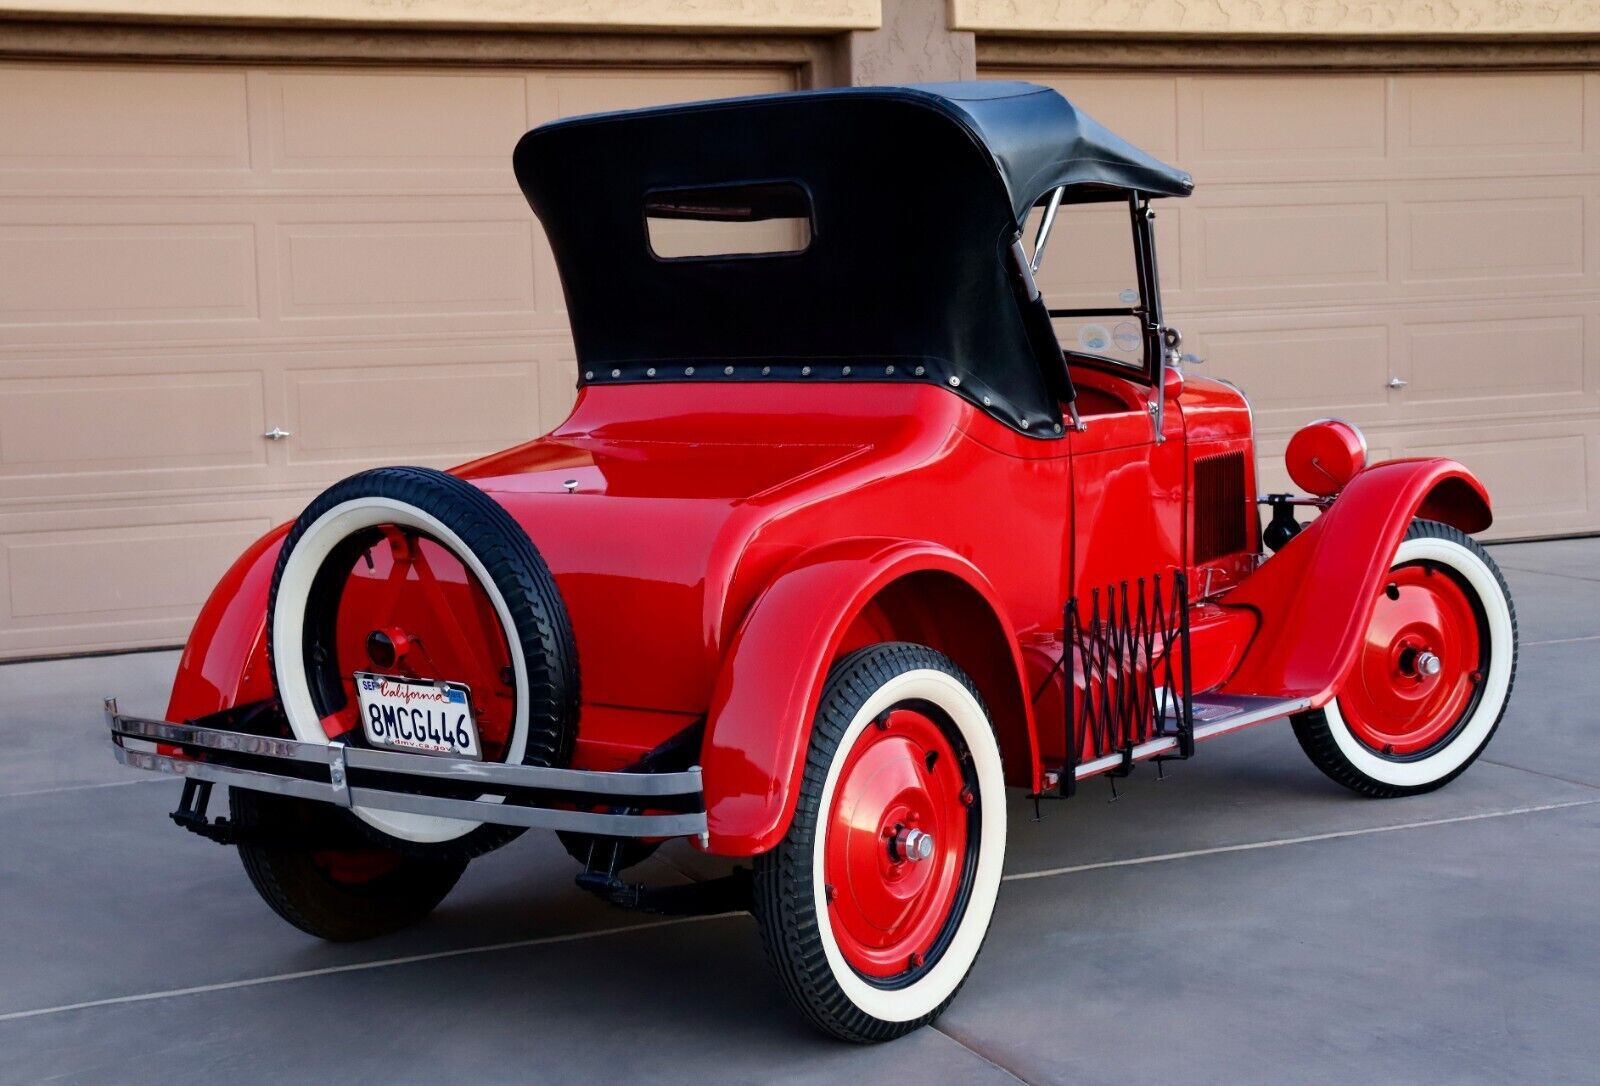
[1316,596]
[1325,455]
[725,543]
[886,911]
[1391,704]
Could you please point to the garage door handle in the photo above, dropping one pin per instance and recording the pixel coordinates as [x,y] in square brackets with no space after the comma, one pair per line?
[277,433]
[1398,382]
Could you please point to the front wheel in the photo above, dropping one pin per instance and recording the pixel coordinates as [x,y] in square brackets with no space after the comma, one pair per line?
[874,906]
[1432,676]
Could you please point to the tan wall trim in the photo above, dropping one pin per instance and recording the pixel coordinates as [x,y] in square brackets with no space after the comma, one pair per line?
[812,57]
[1364,19]
[702,15]
[998,54]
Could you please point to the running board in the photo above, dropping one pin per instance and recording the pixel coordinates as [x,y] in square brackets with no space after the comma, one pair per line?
[1214,715]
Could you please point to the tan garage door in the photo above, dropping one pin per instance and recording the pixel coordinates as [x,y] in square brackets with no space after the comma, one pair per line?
[191,257]
[1417,253]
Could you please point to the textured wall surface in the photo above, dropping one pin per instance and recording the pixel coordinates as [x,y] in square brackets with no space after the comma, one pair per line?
[1296,17]
[912,46]
[535,14]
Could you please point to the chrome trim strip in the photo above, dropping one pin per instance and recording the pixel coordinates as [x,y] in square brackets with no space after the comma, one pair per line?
[620,825]
[685,782]
[1247,709]
[219,774]
[1252,710]
[1111,761]
[164,731]
[633,788]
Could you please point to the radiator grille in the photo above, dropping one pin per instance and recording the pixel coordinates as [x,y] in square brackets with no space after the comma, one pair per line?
[1219,506]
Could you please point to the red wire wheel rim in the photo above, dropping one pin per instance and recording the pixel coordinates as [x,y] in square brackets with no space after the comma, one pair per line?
[394,600]
[892,916]
[1390,704]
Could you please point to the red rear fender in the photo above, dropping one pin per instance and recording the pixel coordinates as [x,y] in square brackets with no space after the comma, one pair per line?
[224,663]
[828,601]
[1315,596]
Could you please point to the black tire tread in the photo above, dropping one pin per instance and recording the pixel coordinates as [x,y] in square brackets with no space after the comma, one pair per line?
[291,883]
[1316,739]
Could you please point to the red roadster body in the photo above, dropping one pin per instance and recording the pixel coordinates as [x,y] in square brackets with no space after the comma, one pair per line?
[822,596]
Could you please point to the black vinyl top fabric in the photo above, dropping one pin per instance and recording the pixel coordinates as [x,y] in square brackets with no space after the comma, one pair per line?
[915,195]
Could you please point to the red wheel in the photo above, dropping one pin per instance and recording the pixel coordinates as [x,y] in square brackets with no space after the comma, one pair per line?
[896,843]
[1420,665]
[396,601]
[874,906]
[416,574]
[1432,676]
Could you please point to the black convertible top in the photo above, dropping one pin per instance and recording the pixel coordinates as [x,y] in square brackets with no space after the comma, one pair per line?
[915,195]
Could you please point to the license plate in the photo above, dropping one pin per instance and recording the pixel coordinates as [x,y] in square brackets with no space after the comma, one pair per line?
[423,716]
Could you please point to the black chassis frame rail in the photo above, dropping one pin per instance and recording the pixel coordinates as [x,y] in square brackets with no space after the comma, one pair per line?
[648,804]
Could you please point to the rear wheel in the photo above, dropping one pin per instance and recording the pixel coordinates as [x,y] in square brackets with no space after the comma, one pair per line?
[416,574]
[338,892]
[1432,676]
[874,906]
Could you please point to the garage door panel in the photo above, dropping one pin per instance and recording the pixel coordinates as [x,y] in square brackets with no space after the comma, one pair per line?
[1295,370]
[68,434]
[1495,240]
[115,579]
[1335,120]
[57,575]
[153,127]
[393,130]
[406,269]
[1285,250]
[1510,115]
[380,414]
[107,272]
[1509,363]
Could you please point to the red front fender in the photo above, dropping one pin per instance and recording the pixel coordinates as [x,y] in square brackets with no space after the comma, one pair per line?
[224,663]
[772,677]
[1315,597]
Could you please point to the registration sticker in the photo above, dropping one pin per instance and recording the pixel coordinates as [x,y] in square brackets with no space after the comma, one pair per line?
[424,716]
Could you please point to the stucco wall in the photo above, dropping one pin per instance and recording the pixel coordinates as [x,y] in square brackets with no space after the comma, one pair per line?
[700,15]
[1345,18]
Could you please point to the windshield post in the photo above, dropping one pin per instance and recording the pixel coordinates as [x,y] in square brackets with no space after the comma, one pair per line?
[1045,225]
[1143,219]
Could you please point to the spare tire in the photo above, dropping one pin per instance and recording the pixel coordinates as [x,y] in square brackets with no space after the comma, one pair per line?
[413,572]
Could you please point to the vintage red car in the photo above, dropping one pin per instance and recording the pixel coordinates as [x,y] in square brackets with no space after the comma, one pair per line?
[836,545]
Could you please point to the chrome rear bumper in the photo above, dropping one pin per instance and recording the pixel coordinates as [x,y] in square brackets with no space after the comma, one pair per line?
[509,795]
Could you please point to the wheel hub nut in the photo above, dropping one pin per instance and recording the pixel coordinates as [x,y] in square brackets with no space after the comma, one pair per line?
[1428,663]
[911,844]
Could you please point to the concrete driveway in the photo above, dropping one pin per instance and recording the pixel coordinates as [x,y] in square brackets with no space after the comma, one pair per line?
[1242,921]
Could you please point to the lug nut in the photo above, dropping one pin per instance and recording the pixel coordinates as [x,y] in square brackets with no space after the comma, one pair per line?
[910,844]
[1428,663]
